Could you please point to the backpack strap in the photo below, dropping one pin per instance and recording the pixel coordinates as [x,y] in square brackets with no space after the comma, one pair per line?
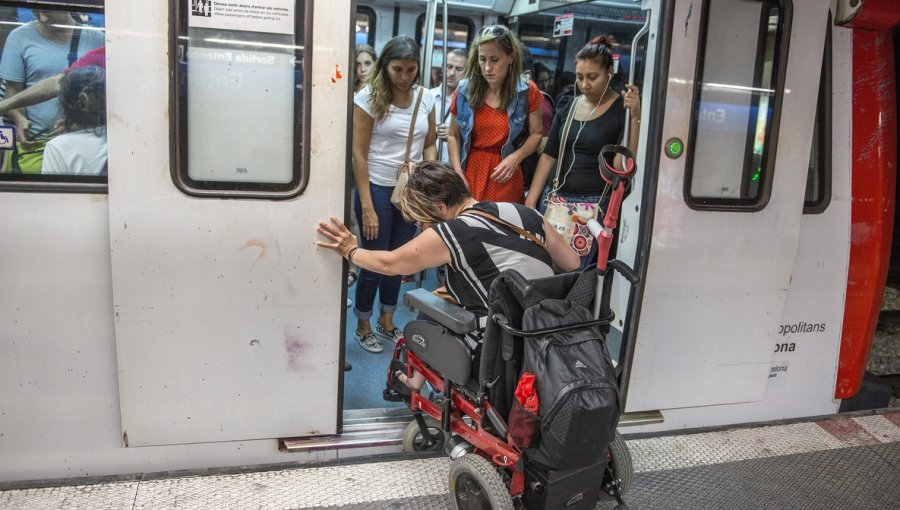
[73,46]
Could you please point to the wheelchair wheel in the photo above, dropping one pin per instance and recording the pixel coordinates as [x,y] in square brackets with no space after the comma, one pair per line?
[475,484]
[620,458]
[413,441]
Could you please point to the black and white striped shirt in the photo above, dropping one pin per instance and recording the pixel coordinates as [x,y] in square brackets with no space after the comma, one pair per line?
[480,249]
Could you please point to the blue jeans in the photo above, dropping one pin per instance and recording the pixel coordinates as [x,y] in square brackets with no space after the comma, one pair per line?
[393,232]
[591,257]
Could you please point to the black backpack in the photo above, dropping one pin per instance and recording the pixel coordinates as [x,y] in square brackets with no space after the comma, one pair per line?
[575,383]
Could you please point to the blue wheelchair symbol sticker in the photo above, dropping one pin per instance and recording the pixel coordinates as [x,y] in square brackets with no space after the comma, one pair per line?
[7,137]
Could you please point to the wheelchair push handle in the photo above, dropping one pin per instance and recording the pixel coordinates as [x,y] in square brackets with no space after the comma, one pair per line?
[617,179]
[623,269]
[606,161]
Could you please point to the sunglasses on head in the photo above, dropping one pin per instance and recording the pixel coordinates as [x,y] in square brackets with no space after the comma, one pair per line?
[494,30]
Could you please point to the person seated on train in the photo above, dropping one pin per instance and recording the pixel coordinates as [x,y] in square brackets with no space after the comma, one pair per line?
[496,120]
[48,88]
[598,120]
[81,149]
[453,72]
[34,51]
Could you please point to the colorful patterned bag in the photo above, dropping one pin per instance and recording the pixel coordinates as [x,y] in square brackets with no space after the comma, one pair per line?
[570,218]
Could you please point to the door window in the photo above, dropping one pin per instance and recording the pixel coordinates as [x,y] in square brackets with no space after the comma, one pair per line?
[818,181]
[53,89]
[240,98]
[736,104]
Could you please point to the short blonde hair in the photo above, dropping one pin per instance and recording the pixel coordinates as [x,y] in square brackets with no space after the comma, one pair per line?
[433,182]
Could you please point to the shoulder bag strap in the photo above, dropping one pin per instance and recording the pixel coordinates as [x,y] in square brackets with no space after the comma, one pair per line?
[73,46]
[521,231]
[562,144]
[412,126]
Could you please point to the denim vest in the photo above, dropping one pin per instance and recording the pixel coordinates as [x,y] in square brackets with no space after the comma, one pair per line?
[465,119]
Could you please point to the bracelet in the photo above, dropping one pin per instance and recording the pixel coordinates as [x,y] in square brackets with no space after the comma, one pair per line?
[350,254]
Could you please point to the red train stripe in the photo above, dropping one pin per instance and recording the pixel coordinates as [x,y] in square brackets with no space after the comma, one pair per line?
[874,152]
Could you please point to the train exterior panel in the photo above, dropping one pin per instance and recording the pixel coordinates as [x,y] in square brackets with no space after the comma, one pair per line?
[180,316]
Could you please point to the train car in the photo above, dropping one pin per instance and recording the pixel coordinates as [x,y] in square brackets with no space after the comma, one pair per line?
[170,310]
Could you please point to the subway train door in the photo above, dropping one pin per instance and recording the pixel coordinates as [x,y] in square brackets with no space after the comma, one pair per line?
[228,132]
[732,171]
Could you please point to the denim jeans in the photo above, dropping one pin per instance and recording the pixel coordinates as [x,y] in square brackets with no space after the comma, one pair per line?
[393,232]
[603,201]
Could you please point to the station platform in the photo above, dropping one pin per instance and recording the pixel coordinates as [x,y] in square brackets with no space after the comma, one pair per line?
[849,461]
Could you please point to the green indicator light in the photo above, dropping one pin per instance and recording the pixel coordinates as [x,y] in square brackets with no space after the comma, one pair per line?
[757,174]
[674,148]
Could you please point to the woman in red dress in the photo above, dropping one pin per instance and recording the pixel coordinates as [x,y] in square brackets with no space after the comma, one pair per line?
[494,109]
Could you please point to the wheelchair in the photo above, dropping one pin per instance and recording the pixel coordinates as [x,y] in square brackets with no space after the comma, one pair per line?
[472,367]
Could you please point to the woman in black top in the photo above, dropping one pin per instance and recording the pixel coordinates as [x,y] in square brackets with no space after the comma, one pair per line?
[599,119]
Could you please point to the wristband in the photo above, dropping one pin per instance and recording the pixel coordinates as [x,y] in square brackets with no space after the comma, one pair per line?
[350,254]
[345,250]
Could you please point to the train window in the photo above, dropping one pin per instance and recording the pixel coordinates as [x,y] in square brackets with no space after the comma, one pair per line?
[736,103]
[461,31]
[365,25]
[556,53]
[818,181]
[545,50]
[53,89]
[240,96]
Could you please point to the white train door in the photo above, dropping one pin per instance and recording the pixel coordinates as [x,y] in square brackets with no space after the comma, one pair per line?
[732,171]
[228,319]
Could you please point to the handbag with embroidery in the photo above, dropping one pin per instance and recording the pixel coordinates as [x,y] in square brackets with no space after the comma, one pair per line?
[570,218]
[407,167]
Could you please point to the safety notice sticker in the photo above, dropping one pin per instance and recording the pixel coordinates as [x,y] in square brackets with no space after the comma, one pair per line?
[563,24]
[269,16]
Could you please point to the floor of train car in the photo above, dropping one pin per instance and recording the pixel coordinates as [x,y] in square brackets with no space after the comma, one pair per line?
[364,383]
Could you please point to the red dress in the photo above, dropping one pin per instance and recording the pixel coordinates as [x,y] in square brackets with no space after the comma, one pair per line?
[490,131]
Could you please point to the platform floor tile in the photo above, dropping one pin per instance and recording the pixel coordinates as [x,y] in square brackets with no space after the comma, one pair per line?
[841,462]
[107,496]
[331,486]
[862,477]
